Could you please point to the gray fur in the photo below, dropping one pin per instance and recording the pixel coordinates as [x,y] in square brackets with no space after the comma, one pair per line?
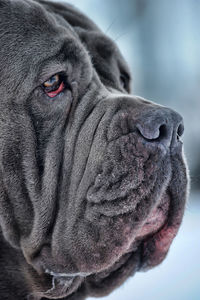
[93,182]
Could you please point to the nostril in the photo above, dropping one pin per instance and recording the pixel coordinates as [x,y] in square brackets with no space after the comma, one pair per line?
[153,133]
[180,130]
[156,132]
[148,132]
[163,132]
[161,127]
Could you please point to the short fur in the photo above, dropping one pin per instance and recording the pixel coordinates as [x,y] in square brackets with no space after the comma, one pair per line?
[93,181]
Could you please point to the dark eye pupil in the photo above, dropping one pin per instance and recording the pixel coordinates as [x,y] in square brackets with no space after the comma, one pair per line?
[55,79]
[52,80]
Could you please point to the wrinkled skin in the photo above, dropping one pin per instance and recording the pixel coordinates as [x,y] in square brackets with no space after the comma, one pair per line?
[93,181]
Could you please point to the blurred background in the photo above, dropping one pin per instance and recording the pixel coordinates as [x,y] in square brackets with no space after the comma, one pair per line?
[160,40]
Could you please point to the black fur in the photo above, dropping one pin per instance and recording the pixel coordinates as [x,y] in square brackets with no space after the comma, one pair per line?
[93,181]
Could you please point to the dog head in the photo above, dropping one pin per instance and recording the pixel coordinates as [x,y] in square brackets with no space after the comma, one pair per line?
[93,179]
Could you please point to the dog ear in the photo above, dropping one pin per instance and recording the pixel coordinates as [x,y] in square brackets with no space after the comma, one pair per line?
[71,14]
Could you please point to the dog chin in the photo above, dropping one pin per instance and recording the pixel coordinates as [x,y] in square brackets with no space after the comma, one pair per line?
[60,285]
[148,249]
[52,285]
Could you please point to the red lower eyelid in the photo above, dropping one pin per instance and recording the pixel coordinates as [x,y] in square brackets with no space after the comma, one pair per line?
[56,92]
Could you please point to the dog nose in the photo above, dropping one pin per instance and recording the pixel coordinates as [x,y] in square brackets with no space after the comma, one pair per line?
[163,126]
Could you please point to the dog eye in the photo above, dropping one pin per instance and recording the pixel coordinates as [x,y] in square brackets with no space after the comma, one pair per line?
[54,85]
[54,79]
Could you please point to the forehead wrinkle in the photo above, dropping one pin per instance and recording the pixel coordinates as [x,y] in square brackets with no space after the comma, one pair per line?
[51,65]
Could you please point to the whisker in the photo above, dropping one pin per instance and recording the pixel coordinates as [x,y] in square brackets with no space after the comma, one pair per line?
[120,36]
[111,24]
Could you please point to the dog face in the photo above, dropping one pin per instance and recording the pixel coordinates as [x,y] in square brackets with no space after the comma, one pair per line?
[93,180]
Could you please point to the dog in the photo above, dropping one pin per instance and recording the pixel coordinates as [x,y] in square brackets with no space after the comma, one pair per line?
[93,179]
